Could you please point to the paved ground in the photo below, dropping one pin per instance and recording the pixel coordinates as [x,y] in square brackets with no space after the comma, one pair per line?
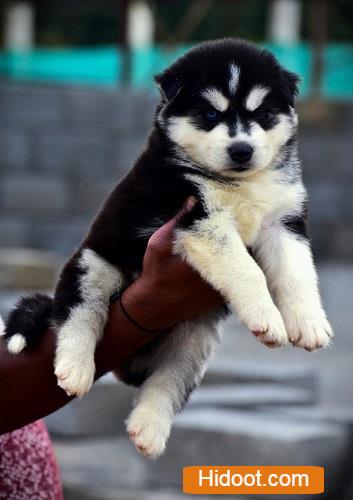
[334,365]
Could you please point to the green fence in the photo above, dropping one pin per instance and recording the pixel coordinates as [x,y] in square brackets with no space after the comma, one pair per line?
[103,66]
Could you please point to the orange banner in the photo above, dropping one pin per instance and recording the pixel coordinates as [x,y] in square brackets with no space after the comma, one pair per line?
[233,480]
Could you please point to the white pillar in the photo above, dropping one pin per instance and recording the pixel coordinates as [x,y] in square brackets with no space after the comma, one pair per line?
[19,26]
[284,21]
[140,25]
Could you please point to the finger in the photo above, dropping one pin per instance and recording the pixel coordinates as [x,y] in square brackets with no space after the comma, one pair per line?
[187,207]
[164,236]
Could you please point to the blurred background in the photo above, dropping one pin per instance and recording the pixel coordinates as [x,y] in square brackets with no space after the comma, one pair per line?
[76,103]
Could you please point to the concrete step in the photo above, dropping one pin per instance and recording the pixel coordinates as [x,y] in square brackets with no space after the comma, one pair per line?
[217,437]
[225,371]
[110,469]
[101,412]
[75,492]
[23,268]
[341,415]
[104,410]
[251,395]
[100,463]
[349,493]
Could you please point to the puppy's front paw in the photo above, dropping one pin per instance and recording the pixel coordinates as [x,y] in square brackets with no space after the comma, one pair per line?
[75,374]
[266,323]
[307,329]
[148,430]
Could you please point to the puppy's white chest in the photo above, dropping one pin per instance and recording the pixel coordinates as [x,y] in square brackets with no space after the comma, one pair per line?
[253,201]
[248,210]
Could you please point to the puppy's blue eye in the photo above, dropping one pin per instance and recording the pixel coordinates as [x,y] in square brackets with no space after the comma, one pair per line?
[212,115]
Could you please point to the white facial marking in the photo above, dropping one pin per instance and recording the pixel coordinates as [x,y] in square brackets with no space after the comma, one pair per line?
[208,149]
[256,97]
[234,78]
[267,143]
[216,99]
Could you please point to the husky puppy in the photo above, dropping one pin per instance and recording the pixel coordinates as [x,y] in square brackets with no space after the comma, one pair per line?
[225,132]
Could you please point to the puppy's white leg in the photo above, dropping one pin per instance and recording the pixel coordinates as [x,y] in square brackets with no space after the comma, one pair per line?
[78,335]
[214,247]
[177,365]
[288,264]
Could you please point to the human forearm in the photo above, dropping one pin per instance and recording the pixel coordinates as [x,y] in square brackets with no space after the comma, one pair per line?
[28,387]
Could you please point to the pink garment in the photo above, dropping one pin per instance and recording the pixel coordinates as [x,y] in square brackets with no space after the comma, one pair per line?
[28,468]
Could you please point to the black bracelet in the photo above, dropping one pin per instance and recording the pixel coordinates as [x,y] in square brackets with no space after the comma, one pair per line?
[118,296]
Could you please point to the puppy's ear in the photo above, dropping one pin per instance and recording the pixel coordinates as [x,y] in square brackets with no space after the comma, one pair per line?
[169,85]
[291,83]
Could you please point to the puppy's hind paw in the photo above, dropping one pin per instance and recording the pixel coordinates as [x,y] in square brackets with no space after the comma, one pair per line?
[148,431]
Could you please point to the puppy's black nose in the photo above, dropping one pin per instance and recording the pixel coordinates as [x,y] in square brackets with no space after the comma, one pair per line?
[241,152]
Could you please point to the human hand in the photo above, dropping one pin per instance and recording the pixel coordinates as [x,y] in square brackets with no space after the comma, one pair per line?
[168,290]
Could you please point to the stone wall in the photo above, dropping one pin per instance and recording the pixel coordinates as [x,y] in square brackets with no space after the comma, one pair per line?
[62,149]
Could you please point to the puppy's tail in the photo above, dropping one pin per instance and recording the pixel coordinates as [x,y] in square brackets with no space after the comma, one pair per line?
[28,321]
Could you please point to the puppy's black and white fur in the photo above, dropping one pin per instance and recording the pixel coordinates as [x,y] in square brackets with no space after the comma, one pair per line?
[225,132]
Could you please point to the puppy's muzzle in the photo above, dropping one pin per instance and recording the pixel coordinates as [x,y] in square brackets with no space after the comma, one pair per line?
[241,154]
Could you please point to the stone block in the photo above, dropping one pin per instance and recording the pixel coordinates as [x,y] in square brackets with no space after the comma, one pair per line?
[69,149]
[61,236]
[251,395]
[28,193]
[225,371]
[336,240]
[14,147]
[101,412]
[95,463]
[341,415]
[349,493]
[31,105]
[88,108]
[328,201]
[112,110]
[110,469]
[223,437]
[332,240]
[122,150]
[82,492]
[22,268]
[13,230]
[89,196]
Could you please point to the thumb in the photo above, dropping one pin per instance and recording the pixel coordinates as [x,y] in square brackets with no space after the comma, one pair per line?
[165,234]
